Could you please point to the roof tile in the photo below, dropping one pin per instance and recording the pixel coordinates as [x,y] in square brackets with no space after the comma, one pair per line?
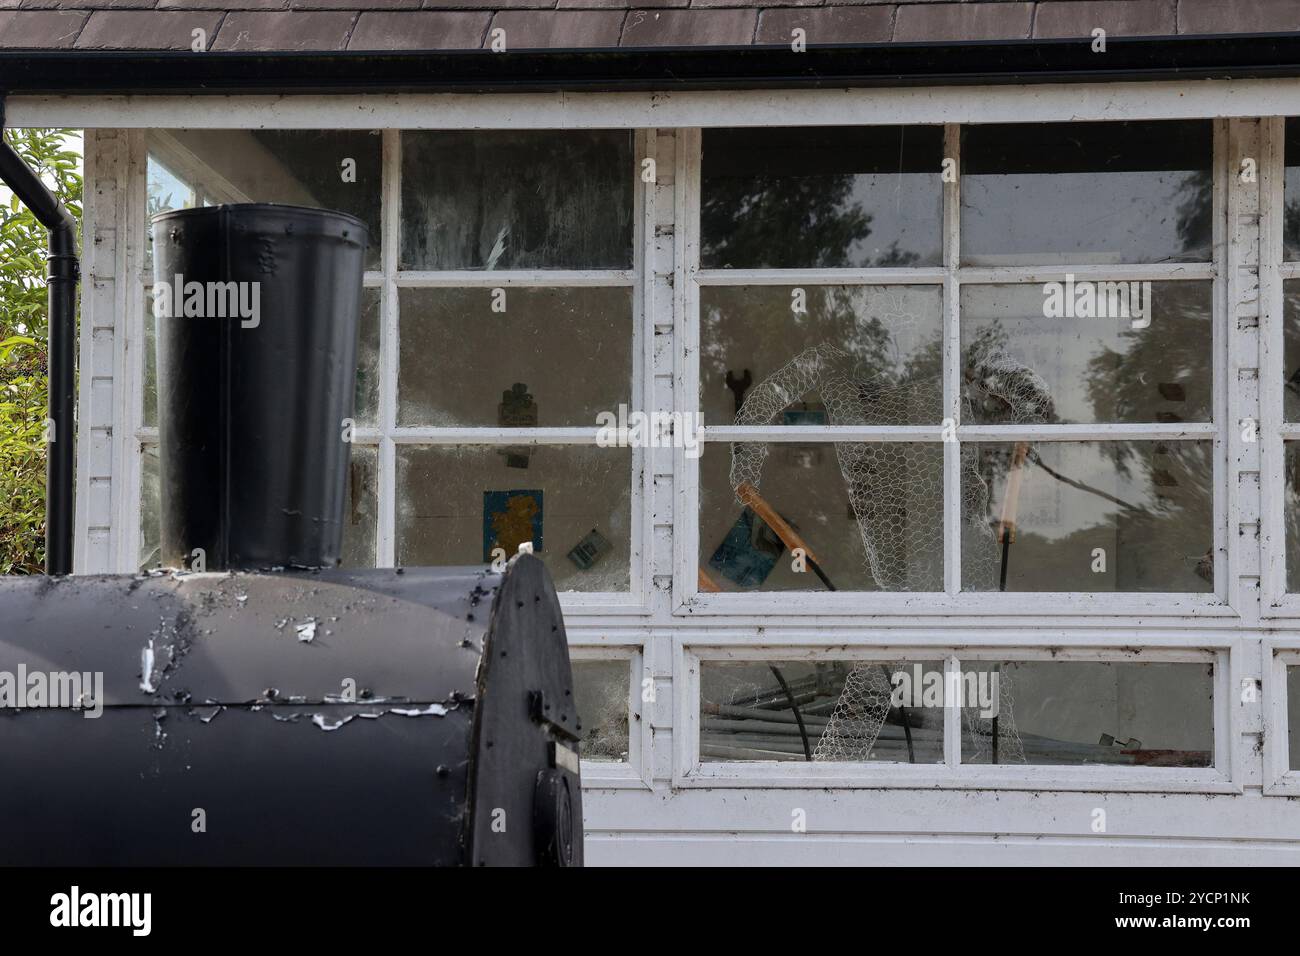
[1224,16]
[1078,18]
[420,30]
[284,31]
[146,30]
[872,24]
[689,27]
[46,30]
[83,5]
[550,29]
[223,5]
[963,21]
[619,4]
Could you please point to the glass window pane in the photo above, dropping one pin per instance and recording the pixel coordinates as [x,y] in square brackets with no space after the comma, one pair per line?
[851,711]
[360,516]
[1291,350]
[150,508]
[1088,516]
[821,355]
[517,199]
[1086,193]
[870,515]
[553,357]
[1084,712]
[150,384]
[366,396]
[601,689]
[1291,465]
[821,197]
[1025,362]
[455,504]
[323,169]
[1291,193]
[1293,716]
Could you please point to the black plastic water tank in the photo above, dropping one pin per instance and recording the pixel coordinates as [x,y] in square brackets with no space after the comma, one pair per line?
[255,381]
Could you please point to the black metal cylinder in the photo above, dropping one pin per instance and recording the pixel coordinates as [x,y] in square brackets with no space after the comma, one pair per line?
[257,309]
[423,716]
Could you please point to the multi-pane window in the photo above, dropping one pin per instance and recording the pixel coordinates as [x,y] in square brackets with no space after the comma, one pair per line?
[1017,711]
[1290,425]
[957,360]
[954,360]
[498,322]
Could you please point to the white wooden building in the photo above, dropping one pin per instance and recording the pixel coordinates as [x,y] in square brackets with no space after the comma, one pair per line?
[670,206]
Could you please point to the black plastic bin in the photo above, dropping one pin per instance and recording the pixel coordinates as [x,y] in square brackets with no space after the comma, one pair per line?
[255,381]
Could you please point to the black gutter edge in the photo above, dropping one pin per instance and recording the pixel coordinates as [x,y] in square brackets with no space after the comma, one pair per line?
[668,69]
[64,273]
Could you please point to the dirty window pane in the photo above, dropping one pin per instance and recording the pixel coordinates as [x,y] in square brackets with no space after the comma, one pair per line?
[1291,491]
[553,357]
[150,508]
[360,510]
[1291,197]
[1293,715]
[821,197]
[367,388]
[486,199]
[1089,516]
[323,169]
[455,504]
[1086,193]
[869,513]
[849,710]
[821,355]
[1083,712]
[1291,350]
[1026,362]
[601,689]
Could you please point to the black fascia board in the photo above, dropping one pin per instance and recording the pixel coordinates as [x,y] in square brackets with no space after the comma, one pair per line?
[831,66]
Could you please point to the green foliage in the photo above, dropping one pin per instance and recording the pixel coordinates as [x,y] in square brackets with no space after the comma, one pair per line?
[24,322]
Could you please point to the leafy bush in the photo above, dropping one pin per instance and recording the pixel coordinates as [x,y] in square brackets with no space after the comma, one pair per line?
[24,323]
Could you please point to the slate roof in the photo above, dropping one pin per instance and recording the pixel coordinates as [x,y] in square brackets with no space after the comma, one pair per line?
[367,25]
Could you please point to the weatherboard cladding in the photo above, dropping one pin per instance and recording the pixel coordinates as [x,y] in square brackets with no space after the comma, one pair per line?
[360,25]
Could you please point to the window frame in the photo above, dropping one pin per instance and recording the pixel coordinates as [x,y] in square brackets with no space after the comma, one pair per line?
[689,600]
[107,525]
[636,773]
[690,771]
[386,435]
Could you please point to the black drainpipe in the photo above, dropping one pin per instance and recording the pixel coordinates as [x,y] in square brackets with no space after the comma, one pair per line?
[65,270]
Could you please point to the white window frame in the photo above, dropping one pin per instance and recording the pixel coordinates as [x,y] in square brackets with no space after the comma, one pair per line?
[386,435]
[690,770]
[636,772]
[1280,779]
[950,277]
[1274,430]
[1094,627]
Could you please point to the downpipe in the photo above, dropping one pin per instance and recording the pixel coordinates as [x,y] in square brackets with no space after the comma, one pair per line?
[63,276]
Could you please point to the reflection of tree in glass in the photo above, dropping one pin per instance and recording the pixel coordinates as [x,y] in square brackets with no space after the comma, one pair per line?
[1196,211]
[756,221]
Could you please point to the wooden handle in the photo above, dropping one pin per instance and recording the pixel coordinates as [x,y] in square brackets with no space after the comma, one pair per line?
[1011,500]
[750,496]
